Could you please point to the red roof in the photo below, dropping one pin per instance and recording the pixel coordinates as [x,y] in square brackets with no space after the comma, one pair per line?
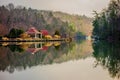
[32,30]
[44,32]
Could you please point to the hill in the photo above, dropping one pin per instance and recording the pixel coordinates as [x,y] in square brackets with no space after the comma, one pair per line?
[81,23]
[23,18]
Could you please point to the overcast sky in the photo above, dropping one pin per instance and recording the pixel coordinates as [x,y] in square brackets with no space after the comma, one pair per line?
[81,7]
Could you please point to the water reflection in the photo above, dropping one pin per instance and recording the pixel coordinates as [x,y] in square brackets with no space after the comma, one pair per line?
[16,57]
[22,55]
[19,56]
[108,55]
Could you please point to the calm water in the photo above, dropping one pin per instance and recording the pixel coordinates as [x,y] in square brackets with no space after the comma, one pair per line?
[81,60]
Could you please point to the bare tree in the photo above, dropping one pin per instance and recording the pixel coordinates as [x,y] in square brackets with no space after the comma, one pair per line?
[10,6]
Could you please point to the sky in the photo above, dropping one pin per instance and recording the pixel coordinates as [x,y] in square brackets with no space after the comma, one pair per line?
[80,7]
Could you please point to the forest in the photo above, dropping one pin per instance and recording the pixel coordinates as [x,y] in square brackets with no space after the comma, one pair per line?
[107,23]
[19,17]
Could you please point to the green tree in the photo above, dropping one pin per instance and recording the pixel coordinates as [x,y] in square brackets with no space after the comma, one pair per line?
[57,33]
[72,27]
[106,24]
[14,33]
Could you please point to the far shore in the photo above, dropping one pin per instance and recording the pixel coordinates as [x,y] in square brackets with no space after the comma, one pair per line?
[36,40]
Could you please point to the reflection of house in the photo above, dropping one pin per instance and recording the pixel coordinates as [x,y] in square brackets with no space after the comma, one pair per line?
[37,47]
[33,32]
[33,50]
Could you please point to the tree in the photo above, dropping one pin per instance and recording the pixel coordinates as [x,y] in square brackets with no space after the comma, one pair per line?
[106,24]
[57,33]
[14,33]
[72,27]
[24,35]
[10,6]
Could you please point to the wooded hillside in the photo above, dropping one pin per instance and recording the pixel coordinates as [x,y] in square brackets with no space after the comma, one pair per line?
[23,18]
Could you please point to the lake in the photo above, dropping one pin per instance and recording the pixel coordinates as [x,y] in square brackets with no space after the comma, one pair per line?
[77,60]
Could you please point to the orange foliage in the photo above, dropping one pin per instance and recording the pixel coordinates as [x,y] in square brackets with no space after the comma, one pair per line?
[3,30]
[25,35]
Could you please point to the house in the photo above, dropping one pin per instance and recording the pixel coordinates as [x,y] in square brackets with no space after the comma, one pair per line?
[44,32]
[34,32]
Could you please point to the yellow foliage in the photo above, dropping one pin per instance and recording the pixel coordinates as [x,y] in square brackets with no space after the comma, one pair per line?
[48,37]
[5,38]
[25,35]
[57,43]
[25,46]
[18,39]
[57,36]
[5,44]
[48,44]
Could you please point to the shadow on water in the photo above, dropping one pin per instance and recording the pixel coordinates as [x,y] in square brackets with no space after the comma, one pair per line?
[108,55]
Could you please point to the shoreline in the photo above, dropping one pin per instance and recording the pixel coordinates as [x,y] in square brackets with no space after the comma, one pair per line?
[37,40]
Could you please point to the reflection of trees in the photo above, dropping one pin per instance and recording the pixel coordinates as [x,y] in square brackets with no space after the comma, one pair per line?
[108,55]
[77,51]
[11,58]
[15,48]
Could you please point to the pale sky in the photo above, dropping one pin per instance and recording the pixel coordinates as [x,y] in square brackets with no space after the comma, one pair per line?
[80,7]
